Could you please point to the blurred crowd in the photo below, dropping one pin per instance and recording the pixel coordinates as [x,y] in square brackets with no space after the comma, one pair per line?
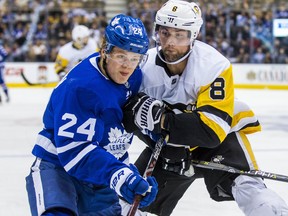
[35,30]
[242,34]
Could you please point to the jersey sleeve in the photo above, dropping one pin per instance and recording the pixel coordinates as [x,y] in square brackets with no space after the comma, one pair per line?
[209,124]
[60,64]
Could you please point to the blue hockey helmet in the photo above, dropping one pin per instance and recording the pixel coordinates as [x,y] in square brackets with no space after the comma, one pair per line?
[127,33]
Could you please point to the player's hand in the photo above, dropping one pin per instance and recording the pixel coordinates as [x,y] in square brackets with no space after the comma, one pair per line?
[127,184]
[144,113]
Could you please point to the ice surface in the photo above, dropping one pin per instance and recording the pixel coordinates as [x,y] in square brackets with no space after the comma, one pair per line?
[20,121]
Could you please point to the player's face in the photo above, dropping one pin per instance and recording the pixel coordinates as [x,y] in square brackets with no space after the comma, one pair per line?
[121,64]
[81,43]
[175,43]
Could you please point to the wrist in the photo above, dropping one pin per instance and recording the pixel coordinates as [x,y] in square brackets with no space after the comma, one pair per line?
[118,179]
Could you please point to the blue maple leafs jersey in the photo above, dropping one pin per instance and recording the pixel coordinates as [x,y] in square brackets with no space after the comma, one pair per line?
[82,123]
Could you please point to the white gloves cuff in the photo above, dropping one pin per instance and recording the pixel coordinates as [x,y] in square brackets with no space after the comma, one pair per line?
[119,178]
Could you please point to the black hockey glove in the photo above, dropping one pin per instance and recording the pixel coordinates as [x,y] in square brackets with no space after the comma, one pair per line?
[144,113]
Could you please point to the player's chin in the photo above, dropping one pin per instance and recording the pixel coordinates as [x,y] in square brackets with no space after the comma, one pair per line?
[171,56]
[122,79]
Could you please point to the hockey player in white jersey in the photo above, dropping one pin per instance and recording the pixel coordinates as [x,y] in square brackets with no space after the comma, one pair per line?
[201,115]
[71,53]
[82,163]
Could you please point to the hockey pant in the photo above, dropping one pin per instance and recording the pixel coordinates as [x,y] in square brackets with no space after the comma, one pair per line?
[254,199]
[234,151]
[50,189]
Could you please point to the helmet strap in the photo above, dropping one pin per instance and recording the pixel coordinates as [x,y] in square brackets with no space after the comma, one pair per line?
[103,68]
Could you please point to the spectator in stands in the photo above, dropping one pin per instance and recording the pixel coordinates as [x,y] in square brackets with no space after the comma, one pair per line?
[242,57]
[282,11]
[268,58]
[19,33]
[223,22]
[64,27]
[259,56]
[39,51]
[98,30]
[17,55]
[281,58]
[41,32]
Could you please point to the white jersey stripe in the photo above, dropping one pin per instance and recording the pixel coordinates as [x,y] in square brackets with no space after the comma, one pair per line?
[220,122]
[46,143]
[38,187]
[243,122]
[69,146]
[81,154]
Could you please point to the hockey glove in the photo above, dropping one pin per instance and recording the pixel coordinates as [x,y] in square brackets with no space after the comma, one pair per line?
[127,184]
[144,113]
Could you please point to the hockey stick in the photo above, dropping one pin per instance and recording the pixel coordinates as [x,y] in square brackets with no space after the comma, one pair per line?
[255,173]
[34,84]
[148,171]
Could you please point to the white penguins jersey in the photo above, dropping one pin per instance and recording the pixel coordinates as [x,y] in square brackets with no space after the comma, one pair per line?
[68,55]
[202,98]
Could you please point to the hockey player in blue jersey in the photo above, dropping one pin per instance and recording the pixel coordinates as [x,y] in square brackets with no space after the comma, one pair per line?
[82,163]
[3,56]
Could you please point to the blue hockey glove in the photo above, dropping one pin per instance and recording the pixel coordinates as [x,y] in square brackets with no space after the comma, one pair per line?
[153,188]
[127,184]
[150,195]
[144,113]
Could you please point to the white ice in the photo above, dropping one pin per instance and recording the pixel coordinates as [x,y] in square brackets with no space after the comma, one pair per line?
[20,121]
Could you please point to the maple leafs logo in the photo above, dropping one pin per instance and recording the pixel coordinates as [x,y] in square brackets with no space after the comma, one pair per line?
[119,142]
[114,134]
[115,21]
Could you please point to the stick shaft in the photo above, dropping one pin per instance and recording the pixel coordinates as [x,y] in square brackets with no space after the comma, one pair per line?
[35,84]
[256,173]
[148,171]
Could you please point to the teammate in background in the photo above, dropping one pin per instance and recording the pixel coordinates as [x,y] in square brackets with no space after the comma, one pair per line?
[201,115]
[70,54]
[82,163]
[3,56]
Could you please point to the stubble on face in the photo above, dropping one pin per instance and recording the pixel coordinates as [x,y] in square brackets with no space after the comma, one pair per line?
[171,55]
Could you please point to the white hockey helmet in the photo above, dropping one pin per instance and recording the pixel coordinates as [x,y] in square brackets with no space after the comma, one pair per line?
[180,14]
[80,35]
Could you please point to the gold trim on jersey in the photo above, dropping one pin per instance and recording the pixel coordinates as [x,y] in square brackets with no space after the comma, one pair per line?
[249,130]
[60,64]
[247,146]
[218,130]
[220,95]
[251,124]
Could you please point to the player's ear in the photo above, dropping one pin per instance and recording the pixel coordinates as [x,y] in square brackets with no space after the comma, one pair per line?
[102,53]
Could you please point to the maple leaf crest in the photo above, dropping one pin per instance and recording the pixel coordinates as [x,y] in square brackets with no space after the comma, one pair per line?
[114,134]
